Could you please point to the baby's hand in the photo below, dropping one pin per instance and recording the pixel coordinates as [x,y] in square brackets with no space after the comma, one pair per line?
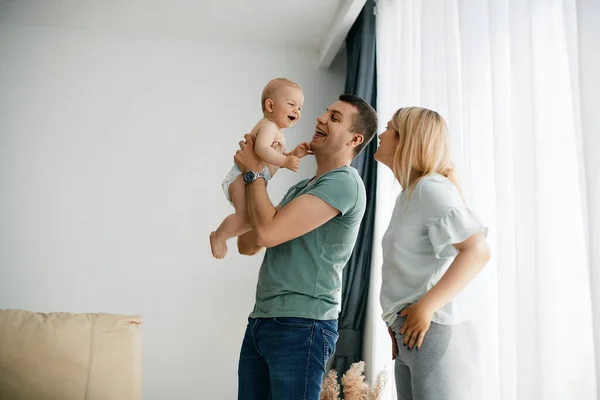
[292,163]
[302,150]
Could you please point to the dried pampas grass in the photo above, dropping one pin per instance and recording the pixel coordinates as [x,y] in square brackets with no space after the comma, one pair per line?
[377,389]
[354,384]
[330,389]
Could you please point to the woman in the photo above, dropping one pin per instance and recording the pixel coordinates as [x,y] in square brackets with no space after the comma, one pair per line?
[432,249]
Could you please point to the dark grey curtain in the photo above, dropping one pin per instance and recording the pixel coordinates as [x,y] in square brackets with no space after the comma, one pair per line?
[361,80]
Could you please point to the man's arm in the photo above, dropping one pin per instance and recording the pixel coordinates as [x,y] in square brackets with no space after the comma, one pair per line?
[300,216]
[273,226]
[247,243]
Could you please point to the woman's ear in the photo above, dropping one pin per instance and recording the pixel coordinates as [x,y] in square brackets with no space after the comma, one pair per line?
[269,105]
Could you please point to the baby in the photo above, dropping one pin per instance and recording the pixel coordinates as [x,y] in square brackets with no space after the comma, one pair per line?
[282,102]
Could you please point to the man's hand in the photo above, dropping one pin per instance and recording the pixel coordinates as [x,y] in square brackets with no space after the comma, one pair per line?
[245,158]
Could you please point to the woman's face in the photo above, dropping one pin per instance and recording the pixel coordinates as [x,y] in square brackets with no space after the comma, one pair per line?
[388,142]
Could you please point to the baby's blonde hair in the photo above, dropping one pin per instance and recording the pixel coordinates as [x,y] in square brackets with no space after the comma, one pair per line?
[423,147]
[272,87]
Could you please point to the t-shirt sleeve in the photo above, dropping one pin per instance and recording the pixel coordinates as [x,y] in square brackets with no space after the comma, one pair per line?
[339,189]
[288,195]
[448,219]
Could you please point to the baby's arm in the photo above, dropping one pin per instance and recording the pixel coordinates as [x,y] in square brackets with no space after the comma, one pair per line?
[264,139]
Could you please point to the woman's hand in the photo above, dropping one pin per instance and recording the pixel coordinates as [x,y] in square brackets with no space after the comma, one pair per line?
[418,320]
[394,343]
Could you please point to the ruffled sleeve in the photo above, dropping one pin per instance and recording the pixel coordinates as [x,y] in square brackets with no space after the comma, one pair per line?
[457,225]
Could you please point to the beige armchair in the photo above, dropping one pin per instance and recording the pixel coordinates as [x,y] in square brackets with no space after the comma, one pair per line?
[63,356]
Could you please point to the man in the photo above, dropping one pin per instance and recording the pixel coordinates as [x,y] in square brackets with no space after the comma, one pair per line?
[309,236]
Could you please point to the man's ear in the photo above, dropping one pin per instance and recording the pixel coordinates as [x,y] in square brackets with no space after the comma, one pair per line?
[356,139]
[269,105]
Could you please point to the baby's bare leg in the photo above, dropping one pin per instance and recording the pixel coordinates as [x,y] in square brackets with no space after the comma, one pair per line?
[235,224]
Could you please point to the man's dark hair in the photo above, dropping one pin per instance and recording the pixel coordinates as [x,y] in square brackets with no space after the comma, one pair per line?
[364,122]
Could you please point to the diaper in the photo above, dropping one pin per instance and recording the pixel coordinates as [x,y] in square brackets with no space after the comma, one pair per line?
[234,172]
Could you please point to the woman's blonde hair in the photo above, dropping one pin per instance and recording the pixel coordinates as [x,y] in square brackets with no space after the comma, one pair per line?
[423,147]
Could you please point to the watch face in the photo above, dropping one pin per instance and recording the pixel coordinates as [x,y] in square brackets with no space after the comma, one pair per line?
[249,177]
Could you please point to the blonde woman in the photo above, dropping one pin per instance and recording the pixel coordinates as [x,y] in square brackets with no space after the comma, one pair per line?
[432,249]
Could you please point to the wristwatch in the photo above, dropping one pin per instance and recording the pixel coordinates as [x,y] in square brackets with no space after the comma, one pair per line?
[251,176]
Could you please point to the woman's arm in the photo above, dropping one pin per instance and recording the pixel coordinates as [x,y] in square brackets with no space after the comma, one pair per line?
[473,255]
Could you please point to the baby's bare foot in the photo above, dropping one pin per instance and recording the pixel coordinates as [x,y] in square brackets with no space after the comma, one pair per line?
[217,246]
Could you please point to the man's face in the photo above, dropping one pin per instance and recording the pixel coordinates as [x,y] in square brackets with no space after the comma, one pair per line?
[332,133]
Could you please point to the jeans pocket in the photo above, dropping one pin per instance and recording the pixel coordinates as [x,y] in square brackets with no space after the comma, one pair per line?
[293,322]
[329,341]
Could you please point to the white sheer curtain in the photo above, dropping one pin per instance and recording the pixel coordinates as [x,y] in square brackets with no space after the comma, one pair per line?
[517,81]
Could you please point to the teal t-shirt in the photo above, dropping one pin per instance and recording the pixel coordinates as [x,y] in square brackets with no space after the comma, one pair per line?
[303,277]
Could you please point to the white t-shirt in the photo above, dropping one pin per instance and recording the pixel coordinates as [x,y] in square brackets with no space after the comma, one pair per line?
[418,245]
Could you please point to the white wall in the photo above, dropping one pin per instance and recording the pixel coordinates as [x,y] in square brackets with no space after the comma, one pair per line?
[112,151]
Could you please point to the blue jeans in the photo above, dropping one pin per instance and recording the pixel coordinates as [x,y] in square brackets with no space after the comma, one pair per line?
[285,358]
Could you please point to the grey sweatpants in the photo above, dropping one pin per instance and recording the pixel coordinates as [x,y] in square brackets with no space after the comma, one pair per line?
[444,368]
